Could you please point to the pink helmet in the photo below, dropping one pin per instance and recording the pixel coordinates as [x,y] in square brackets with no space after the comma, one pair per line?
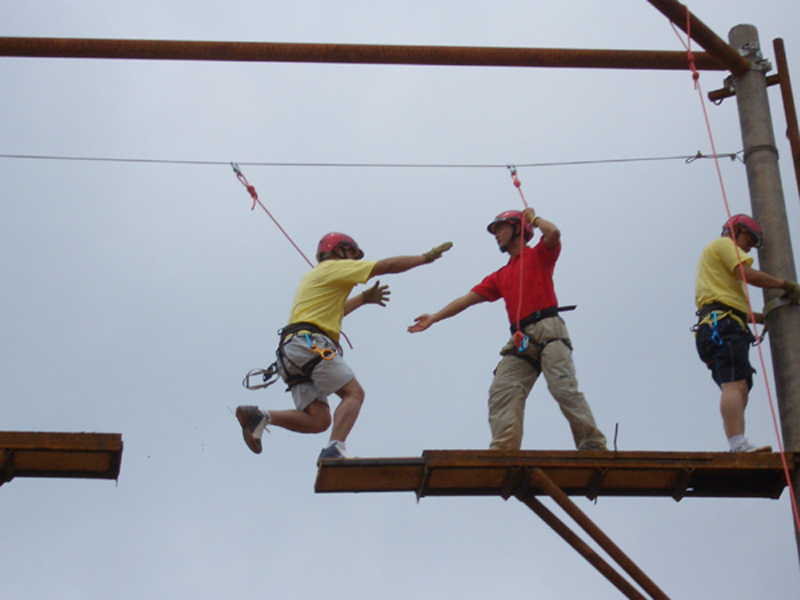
[331,241]
[515,218]
[747,223]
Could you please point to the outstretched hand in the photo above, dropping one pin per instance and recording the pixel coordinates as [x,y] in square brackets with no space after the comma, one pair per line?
[434,253]
[421,324]
[377,294]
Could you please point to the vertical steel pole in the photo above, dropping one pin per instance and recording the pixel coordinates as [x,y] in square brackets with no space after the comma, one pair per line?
[769,209]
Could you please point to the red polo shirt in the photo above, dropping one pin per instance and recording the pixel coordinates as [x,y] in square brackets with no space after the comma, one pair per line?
[538,293]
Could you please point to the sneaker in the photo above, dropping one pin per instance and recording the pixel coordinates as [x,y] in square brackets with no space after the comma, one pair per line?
[592,446]
[748,447]
[253,423]
[334,451]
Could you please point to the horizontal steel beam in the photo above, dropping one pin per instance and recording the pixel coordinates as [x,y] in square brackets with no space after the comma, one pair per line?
[700,33]
[353,53]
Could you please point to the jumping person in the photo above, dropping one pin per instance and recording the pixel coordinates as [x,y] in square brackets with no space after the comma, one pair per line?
[722,336]
[309,357]
[543,346]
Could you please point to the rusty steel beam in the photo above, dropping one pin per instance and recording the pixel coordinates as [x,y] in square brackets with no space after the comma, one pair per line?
[700,33]
[717,96]
[594,559]
[540,479]
[788,106]
[353,53]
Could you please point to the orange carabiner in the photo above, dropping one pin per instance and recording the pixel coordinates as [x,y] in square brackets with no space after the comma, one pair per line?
[325,353]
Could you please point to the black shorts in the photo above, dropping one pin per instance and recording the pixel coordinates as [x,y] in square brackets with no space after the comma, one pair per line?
[728,355]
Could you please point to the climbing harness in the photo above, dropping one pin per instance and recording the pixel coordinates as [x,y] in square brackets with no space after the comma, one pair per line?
[711,314]
[538,315]
[293,373]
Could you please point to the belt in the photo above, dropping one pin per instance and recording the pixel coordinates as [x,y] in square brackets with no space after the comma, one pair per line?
[296,329]
[707,309]
[538,315]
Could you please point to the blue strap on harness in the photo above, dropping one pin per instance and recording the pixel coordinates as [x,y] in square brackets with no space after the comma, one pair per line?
[715,336]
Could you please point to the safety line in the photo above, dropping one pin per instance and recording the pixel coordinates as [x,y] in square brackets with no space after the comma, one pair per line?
[240,176]
[519,336]
[687,159]
[696,78]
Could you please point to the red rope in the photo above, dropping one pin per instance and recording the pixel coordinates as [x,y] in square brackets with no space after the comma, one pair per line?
[519,336]
[240,176]
[696,78]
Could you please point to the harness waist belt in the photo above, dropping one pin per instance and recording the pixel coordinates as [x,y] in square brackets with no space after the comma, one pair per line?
[294,329]
[719,306]
[538,315]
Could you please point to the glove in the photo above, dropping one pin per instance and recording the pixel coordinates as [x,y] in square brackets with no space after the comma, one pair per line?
[791,291]
[434,253]
[377,294]
[530,215]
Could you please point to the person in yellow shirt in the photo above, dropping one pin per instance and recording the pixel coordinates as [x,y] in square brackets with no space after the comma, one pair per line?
[309,356]
[723,338]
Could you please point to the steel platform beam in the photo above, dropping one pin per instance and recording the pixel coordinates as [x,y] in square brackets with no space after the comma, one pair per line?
[42,454]
[591,474]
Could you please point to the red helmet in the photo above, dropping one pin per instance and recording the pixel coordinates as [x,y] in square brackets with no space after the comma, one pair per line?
[331,241]
[515,218]
[749,224]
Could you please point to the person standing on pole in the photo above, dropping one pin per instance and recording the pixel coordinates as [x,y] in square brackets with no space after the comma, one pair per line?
[540,342]
[723,338]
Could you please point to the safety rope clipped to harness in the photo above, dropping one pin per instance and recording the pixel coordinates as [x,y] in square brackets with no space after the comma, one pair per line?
[521,340]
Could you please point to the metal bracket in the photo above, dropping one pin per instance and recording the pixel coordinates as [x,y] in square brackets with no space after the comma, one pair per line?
[752,52]
[682,484]
[6,466]
[596,484]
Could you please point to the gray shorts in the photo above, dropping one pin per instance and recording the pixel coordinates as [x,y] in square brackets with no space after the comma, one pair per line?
[328,376]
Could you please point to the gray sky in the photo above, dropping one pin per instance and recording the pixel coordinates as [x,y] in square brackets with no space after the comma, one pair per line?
[136,296]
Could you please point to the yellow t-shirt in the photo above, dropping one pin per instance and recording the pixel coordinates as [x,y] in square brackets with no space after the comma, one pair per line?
[717,279]
[322,292]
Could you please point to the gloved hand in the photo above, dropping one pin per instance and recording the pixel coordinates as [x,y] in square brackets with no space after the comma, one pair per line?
[530,215]
[791,291]
[377,294]
[434,253]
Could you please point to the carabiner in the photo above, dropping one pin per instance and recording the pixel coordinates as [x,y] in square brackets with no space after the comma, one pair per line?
[325,353]
[715,336]
[521,341]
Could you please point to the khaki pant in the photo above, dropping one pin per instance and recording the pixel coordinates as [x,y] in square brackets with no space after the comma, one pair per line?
[549,352]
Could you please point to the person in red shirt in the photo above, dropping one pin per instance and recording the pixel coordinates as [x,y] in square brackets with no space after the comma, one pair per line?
[540,341]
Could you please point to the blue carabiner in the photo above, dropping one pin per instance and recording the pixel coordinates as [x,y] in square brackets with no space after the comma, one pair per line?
[715,336]
[523,345]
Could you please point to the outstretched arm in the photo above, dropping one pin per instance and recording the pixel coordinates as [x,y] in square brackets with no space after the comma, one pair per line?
[377,294]
[456,306]
[400,264]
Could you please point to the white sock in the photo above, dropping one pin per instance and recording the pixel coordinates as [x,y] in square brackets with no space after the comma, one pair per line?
[736,440]
[259,430]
